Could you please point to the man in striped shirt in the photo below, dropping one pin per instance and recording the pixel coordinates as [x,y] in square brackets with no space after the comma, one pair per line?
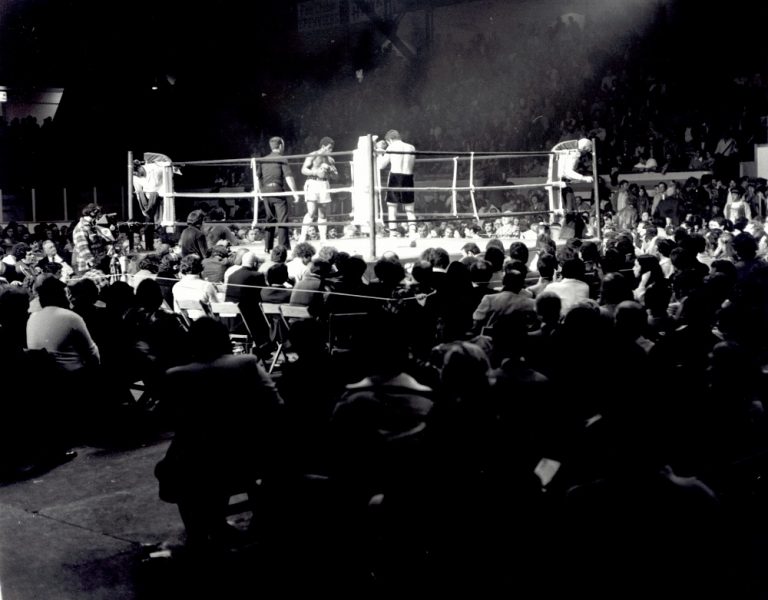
[90,241]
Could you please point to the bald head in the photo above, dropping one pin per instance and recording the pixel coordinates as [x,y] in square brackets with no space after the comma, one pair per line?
[250,260]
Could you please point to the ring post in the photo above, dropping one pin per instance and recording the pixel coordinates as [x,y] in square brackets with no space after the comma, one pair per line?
[472,180]
[256,189]
[596,189]
[372,159]
[455,177]
[551,188]
[130,187]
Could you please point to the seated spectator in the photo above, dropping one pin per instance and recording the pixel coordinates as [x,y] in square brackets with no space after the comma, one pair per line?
[509,300]
[279,254]
[149,267]
[216,264]
[193,287]
[20,266]
[237,263]
[480,272]
[376,415]
[168,275]
[279,291]
[470,249]
[298,267]
[40,435]
[60,331]
[390,276]
[547,265]
[349,281]
[159,339]
[212,454]
[570,288]
[311,386]
[52,255]
[306,292]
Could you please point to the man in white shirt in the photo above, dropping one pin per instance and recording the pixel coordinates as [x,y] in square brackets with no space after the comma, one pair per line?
[399,156]
[193,287]
[570,289]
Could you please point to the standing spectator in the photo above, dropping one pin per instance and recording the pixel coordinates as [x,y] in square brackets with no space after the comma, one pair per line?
[736,207]
[90,242]
[192,239]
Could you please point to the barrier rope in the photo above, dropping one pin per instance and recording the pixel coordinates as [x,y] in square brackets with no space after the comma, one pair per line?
[120,276]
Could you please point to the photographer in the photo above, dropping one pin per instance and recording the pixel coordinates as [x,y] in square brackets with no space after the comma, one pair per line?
[91,242]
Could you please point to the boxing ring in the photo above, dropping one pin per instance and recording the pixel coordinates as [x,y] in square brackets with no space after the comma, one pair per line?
[362,187]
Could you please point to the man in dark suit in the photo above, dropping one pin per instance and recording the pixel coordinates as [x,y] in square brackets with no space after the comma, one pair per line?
[225,440]
[244,288]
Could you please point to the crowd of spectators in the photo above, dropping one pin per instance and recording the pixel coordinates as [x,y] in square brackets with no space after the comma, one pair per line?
[541,83]
[585,415]
[492,397]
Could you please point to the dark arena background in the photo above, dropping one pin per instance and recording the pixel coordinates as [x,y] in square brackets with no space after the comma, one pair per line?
[383,298]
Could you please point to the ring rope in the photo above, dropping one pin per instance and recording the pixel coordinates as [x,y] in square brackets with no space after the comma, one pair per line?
[246,161]
[247,194]
[257,195]
[468,188]
[465,154]
[485,217]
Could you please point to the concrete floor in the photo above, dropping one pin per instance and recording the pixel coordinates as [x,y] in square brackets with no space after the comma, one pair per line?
[81,529]
[85,530]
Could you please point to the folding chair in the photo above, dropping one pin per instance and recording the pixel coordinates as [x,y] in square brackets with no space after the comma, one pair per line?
[278,329]
[232,310]
[294,311]
[343,328]
[186,305]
